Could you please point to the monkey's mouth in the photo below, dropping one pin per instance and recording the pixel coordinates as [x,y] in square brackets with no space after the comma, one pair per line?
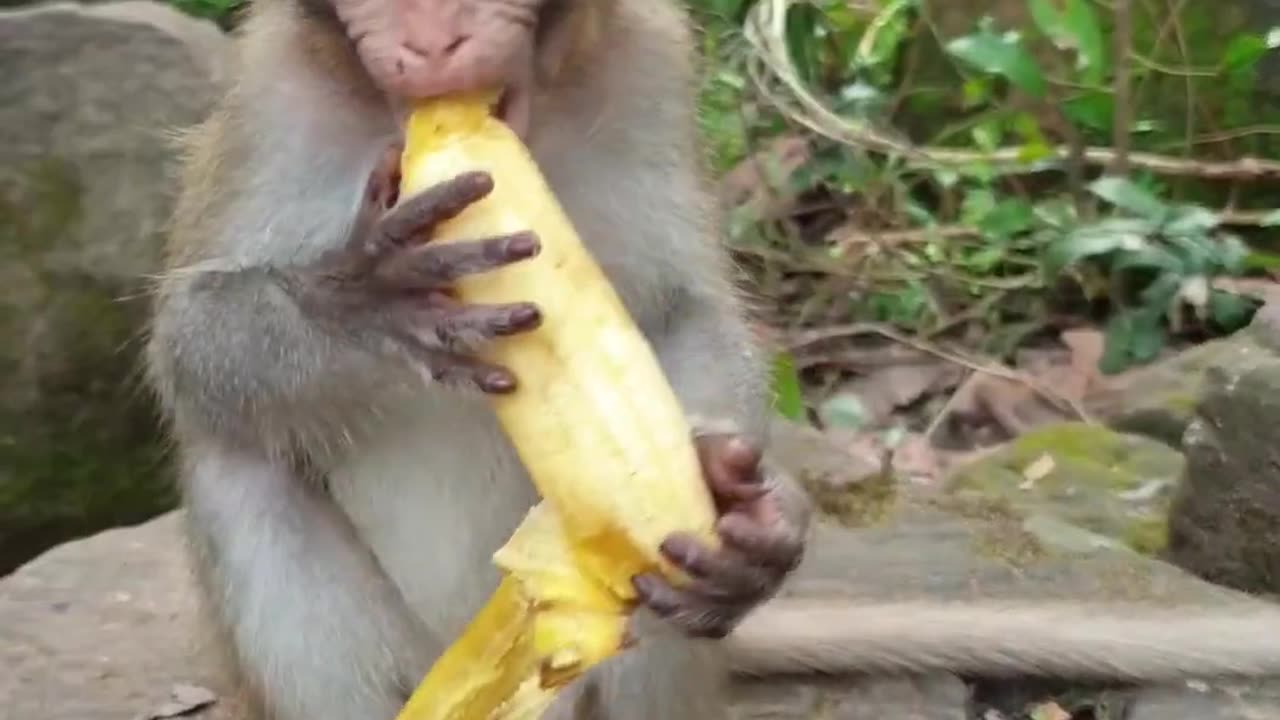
[512,108]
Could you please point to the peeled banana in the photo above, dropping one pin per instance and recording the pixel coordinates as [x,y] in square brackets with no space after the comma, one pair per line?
[594,422]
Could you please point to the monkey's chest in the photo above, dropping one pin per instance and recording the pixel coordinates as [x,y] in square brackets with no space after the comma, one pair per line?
[433,497]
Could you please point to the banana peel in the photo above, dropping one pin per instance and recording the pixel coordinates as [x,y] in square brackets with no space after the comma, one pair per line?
[593,419]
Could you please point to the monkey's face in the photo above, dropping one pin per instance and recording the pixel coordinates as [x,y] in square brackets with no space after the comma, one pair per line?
[415,49]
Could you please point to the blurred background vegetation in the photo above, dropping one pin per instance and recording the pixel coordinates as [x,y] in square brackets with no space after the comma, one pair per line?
[991,171]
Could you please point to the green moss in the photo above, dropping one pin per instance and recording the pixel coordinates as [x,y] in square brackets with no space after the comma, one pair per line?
[78,439]
[1148,535]
[1001,535]
[857,505]
[1082,454]
[85,455]
[1088,471]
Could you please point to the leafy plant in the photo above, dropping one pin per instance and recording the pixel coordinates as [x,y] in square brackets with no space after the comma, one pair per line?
[976,243]
[1176,250]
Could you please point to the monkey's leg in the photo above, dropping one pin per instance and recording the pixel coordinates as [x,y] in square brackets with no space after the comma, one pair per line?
[316,628]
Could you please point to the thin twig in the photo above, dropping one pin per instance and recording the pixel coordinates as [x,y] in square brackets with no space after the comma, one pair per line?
[1122,88]
[799,340]
[765,32]
[950,405]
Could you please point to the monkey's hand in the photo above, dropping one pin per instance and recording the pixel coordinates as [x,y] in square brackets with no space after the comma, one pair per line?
[762,524]
[388,280]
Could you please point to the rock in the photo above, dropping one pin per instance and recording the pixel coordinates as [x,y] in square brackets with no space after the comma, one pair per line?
[1159,400]
[87,100]
[103,628]
[1224,524]
[1205,702]
[1109,483]
[106,627]
[927,698]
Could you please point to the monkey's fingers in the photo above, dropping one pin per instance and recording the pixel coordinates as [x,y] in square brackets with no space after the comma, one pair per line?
[771,544]
[439,321]
[416,216]
[457,369]
[725,576]
[731,467]
[434,266]
[693,615]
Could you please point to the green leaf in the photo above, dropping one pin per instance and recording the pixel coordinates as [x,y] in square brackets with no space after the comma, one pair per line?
[1082,23]
[1231,254]
[1256,260]
[1127,195]
[1159,295]
[1229,311]
[1242,52]
[987,135]
[1049,20]
[892,25]
[1197,252]
[1001,55]
[788,399]
[1010,216]
[1148,257]
[1132,336]
[1190,220]
[1099,239]
[1093,110]
[801,25]
[1076,247]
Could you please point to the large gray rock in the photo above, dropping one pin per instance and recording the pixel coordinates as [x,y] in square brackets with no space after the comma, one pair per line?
[1225,521]
[103,628]
[1110,483]
[88,100]
[106,627]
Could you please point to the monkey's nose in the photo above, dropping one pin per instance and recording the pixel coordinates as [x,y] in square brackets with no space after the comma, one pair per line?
[436,46]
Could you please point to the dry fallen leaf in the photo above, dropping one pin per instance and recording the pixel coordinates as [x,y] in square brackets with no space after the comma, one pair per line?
[183,701]
[890,388]
[1038,470]
[1049,711]
[916,460]
[759,182]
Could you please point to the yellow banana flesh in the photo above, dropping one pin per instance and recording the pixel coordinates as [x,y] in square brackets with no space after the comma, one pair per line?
[594,421]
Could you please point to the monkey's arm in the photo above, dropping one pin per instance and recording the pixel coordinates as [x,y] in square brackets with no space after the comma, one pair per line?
[232,354]
[320,629]
[718,372]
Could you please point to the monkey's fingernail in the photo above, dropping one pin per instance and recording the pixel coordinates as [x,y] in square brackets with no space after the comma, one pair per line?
[478,181]
[526,316]
[680,549]
[742,456]
[646,586]
[498,382]
[524,245]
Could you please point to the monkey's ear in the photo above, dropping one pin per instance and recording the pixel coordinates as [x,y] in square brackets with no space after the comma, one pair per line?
[568,32]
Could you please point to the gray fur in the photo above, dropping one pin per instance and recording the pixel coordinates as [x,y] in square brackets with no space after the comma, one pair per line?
[337,590]
[1136,643]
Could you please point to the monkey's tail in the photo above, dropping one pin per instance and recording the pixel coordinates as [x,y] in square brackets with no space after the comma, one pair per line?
[1060,640]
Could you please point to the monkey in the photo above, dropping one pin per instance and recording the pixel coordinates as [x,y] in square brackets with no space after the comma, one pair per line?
[344,480]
